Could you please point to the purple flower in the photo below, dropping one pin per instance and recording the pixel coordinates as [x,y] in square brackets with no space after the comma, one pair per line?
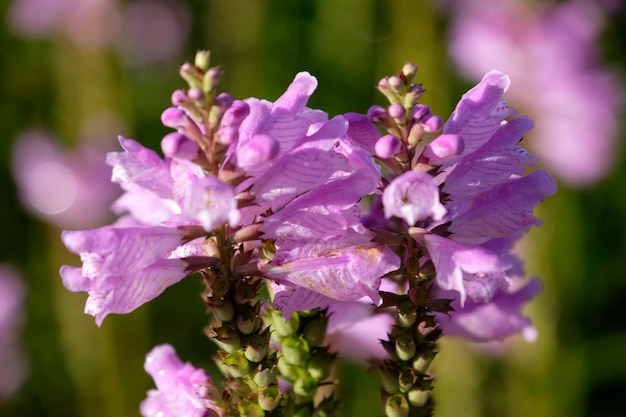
[471,271]
[182,389]
[70,189]
[12,361]
[413,196]
[123,268]
[494,320]
[551,51]
[211,203]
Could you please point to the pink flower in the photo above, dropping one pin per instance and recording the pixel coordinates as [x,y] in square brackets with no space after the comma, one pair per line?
[550,49]
[182,389]
[413,196]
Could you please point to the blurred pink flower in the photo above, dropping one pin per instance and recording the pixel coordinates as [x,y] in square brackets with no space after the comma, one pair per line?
[550,50]
[12,362]
[145,31]
[70,189]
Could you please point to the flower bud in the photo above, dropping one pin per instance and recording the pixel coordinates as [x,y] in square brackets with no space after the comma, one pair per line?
[407,315]
[179,97]
[210,80]
[287,371]
[315,330]
[422,362]
[196,94]
[282,327]
[226,338]
[376,114]
[173,117]
[256,349]
[410,71]
[396,406]
[295,350]
[444,148]
[320,364]
[405,348]
[177,145]
[396,110]
[264,377]
[269,398]
[387,146]
[256,152]
[236,364]
[432,124]
[418,397]
[203,60]
[191,75]
[235,114]
[247,320]
[305,388]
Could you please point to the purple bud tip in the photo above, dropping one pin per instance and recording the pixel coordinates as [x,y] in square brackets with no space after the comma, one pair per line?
[396,110]
[173,117]
[235,114]
[259,150]
[178,97]
[196,93]
[177,145]
[224,100]
[444,148]
[376,113]
[432,124]
[420,111]
[387,146]
[227,135]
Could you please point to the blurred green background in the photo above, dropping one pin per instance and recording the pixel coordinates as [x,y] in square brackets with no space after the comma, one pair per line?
[577,366]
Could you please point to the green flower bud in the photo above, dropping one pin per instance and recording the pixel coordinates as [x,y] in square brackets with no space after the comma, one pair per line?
[247,320]
[315,330]
[265,376]
[397,406]
[226,338]
[406,380]
[407,315]
[256,349]
[405,348]
[305,388]
[295,350]
[269,398]
[422,362]
[418,397]
[191,75]
[282,327]
[248,409]
[236,364]
[203,60]
[320,364]
[287,371]
[210,81]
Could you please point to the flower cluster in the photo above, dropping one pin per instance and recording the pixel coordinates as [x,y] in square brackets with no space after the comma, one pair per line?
[253,193]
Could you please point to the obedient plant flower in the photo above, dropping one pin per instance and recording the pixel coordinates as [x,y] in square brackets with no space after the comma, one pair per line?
[533,42]
[182,389]
[253,192]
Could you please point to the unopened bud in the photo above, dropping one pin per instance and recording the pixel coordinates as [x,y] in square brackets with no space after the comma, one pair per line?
[179,97]
[295,350]
[376,114]
[256,349]
[196,94]
[211,80]
[418,397]
[407,314]
[257,152]
[305,388]
[444,148]
[236,364]
[287,370]
[265,377]
[227,338]
[191,75]
[235,114]
[432,124]
[177,145]
[422,362]
[410,71]
[282,327]
[397,406]
[396,110]
[315,330]
[269,398]
[387,146]
[173,117]
[203,60]
[405,348]
[320,364]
